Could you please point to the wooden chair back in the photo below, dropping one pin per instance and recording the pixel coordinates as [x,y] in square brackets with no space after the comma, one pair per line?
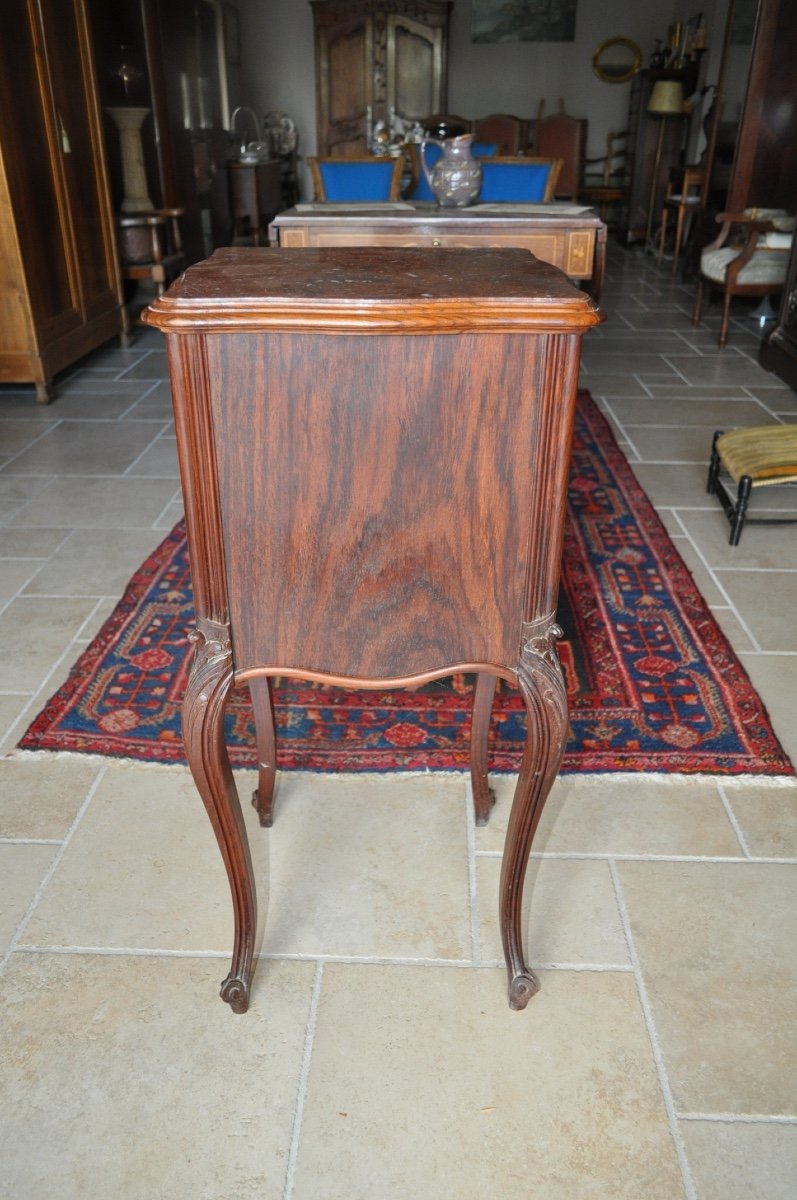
[510,132]
[562,136]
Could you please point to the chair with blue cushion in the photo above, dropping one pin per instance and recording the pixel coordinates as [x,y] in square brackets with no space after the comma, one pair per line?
[519,180]
[419,188]
[356,179]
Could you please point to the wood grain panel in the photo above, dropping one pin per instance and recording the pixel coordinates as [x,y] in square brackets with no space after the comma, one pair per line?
[392,507]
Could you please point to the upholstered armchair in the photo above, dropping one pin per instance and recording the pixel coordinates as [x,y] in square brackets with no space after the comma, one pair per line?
[750,257]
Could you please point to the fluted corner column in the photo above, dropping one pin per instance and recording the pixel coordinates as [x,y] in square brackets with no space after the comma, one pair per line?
[128,121]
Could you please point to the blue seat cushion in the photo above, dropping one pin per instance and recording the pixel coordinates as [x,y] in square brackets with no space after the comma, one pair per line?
[521,182]
[356,180]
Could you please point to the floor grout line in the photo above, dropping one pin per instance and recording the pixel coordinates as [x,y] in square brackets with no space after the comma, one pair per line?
[658,1056]
[741,1118]
[42,888]
[737,829]
[304,1078]
[473,895]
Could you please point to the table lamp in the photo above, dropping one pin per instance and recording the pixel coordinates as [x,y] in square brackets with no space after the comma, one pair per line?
[666,100]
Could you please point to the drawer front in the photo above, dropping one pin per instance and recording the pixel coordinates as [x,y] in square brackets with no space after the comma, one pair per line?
[570,250]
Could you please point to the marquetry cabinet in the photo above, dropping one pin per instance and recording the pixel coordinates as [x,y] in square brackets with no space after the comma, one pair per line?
[374,448]
[374,57]
[60,294]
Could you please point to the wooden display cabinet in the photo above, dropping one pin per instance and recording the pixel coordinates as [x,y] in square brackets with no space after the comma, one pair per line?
[373,57]
[61,294]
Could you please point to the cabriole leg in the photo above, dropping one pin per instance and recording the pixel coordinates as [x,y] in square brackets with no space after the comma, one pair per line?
[483,795]
[203,735]
[543,688]
[263,708]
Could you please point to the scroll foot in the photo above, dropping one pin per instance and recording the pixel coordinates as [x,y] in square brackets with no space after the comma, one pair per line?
[235,992]
[203,736]
[521,990]
[544,695]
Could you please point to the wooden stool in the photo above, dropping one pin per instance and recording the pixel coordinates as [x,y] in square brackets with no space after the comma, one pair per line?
[760,456]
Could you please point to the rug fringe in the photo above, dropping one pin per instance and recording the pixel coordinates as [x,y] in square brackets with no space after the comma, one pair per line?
[638,777]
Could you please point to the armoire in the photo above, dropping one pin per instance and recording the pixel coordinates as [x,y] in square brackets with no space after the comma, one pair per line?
[374,57]
[60,293]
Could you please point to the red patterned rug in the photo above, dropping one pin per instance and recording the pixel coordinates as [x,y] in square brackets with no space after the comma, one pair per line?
[652,681]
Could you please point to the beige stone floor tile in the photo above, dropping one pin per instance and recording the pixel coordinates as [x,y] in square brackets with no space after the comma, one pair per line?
[16,436]
[11,706]
[437,1091]
[687,393]
[732,627]
[767,602]
[170,516]
[675,444]
[100,503]
[704,579]
[598,814]
[762,547]
[94,562]
[767,817]
[91,627]
[370,867]
[690,411]
[40,795]
[570,913]
[721,368]
[29,543]
[160,886]
[717,944]
[21,488]
[159,461]
[674,484]
[628,362]
[14,574]
[735,1161]
[774,677]
[783,404]
[103,402]
[151,365]
[604,383]
[22,868]
[86,448]
[132,1079]
[33,634]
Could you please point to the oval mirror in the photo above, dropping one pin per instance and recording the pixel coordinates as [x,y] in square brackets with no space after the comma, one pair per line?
[616,60]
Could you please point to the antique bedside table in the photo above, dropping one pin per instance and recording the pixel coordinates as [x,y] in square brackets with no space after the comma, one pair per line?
[374,449]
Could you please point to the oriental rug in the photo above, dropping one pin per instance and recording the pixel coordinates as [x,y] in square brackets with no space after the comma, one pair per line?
[653,683]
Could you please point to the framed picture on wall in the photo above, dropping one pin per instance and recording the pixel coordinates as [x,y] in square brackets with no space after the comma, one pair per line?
[524,21]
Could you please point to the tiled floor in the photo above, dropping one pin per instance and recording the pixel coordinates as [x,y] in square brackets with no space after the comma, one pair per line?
[379,1060]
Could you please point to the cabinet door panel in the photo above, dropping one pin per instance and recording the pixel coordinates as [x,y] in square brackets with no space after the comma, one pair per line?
[30,153]
[68,60]
[346,80]
[414,67]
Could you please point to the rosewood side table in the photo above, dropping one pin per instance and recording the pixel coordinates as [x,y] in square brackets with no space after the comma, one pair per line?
[374,450]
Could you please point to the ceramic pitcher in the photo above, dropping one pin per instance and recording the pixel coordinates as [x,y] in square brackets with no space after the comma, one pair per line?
[456,177]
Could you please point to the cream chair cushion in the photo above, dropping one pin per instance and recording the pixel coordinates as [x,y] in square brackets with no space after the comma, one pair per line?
[766,266]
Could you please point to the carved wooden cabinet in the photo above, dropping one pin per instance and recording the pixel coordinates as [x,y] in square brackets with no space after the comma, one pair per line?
[374,56]
[374,449]
[60,294]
